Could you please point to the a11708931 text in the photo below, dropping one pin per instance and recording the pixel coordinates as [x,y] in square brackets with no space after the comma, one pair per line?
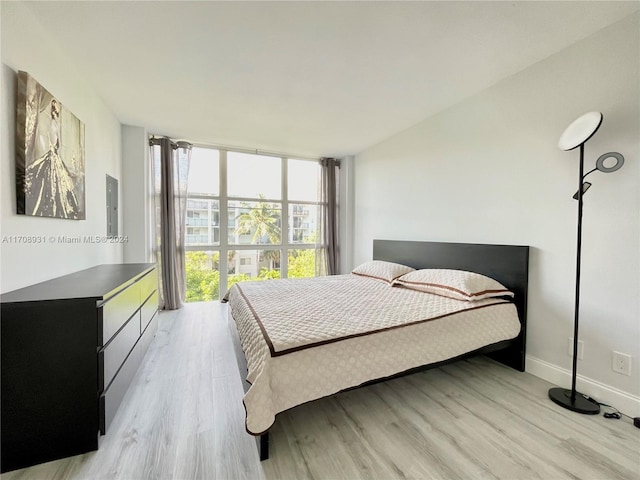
[62,239]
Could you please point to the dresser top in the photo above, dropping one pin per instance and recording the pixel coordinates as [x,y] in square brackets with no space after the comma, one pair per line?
[98,283]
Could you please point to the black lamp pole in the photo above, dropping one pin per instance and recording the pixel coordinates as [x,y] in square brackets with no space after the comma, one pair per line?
[581,130]
[578,255]
[572,399]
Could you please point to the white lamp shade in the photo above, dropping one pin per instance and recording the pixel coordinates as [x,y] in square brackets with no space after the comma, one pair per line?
[581,130]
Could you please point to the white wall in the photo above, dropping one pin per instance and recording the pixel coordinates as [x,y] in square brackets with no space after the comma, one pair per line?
[489,171]
[134,185]
[26,46]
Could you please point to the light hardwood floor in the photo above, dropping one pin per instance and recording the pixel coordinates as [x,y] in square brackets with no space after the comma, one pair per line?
[183,419]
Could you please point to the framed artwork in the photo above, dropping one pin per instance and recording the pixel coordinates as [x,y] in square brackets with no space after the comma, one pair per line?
[49,155]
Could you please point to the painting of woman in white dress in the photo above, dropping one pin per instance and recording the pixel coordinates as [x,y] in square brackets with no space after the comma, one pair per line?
[50,155]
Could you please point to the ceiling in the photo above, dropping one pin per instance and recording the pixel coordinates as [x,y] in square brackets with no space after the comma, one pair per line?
[307,78]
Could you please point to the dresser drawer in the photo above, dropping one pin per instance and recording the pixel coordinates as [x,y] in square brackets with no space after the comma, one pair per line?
[114,354]
[148,334]
[148,284]
[148,310]
[111,399]
[116,311]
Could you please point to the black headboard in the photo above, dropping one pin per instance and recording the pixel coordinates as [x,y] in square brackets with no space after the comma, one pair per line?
[508,264]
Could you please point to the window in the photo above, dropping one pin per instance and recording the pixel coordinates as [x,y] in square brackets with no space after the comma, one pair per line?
[245,213]
[254,176]
[255,223]
[303,194]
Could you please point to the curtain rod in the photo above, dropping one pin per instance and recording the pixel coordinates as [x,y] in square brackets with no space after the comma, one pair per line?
[255,151]
[156,141]
[174,144]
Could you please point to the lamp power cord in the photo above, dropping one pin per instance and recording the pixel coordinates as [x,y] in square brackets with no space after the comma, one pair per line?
[613,413]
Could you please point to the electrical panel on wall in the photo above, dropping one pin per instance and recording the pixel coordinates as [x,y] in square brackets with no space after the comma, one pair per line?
[112,207]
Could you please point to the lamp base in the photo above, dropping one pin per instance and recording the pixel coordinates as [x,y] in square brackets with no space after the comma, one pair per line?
[580,403]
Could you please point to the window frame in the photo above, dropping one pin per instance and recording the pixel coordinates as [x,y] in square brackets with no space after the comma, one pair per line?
[223,246]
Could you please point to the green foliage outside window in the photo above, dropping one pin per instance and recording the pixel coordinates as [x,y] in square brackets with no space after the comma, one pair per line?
[262,222]
[238,277]
[302,264]
[203,277]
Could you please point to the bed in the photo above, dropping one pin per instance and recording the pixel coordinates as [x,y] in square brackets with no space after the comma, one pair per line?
[297,340]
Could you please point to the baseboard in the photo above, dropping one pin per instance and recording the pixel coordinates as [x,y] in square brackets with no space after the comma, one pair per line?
[623,401]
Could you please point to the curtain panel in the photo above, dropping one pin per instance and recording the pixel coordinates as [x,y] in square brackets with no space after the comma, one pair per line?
[327,239]
[170,164]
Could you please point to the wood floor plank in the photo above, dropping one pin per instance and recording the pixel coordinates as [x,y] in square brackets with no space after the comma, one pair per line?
[183,418]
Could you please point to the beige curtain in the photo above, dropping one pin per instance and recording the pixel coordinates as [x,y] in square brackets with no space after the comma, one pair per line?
[327,239]
[170,164]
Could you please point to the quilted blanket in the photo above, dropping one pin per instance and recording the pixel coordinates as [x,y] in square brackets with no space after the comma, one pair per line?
[308,338]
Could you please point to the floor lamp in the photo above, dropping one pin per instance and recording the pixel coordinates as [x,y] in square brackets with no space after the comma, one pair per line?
[576,135]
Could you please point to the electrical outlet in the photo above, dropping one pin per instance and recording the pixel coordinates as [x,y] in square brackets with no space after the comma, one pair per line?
[580,348]
[621,363]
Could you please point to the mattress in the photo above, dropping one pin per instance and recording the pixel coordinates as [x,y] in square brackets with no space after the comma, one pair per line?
[305,339]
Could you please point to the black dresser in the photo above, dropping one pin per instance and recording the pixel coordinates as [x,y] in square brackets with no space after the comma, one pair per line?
[69,350]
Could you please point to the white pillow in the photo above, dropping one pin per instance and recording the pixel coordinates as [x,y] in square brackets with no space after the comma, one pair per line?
[458,284]
[380,270]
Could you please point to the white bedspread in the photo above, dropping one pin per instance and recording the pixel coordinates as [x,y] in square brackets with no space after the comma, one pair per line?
[308,338]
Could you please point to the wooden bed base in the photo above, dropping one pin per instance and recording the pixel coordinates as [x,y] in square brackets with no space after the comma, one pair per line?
[508,264]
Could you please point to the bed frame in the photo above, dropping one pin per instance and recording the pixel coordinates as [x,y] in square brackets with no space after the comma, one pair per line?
[508,264]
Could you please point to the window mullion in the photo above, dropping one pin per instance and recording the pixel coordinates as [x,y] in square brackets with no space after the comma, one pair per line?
[224,223]
[284,252]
